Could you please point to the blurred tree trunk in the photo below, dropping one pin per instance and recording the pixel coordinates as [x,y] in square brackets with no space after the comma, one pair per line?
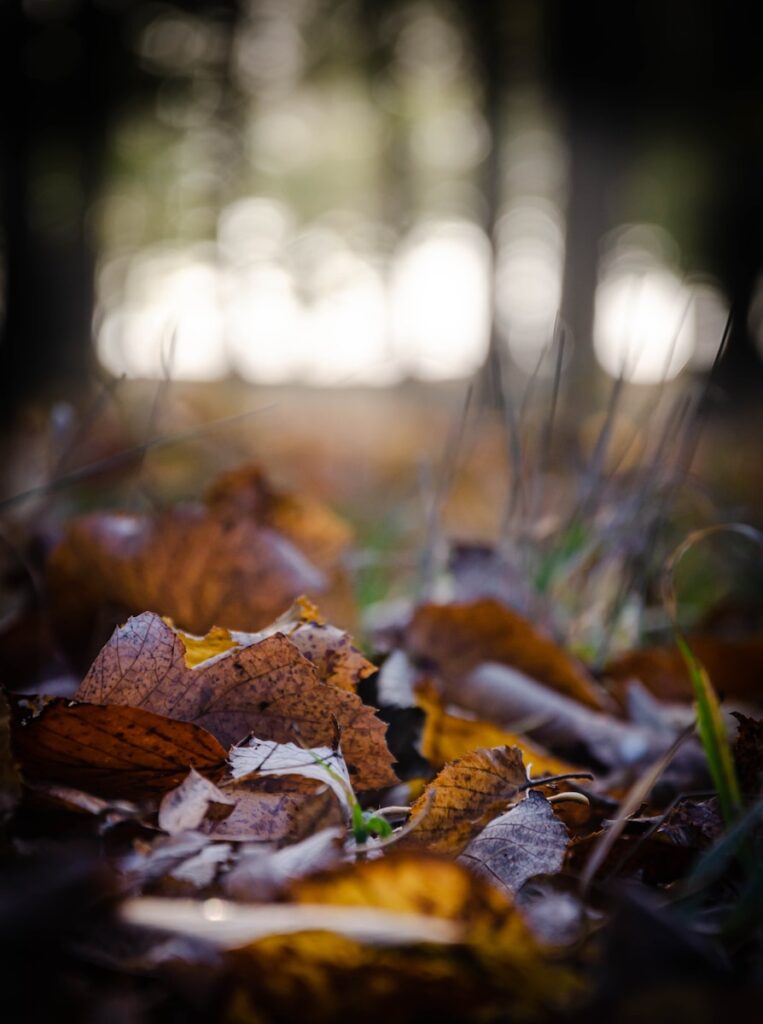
[53,132]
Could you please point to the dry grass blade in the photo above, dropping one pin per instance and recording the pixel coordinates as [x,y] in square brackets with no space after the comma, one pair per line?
[633,800]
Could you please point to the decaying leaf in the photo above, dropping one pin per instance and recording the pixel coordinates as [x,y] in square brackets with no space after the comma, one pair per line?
[525,841]
[178,864]
[464,797]
[268,689]
[448,735]
[453,639]
[185,807]
[277,809]
[265,757]
[237,560]
[112,750]
[262,875]
[502,694]
[329,649]
[317,531]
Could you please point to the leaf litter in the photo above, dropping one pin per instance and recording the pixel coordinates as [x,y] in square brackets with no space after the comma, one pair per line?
[248,814]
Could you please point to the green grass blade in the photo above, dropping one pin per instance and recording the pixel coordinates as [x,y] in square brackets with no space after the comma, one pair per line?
[712,732]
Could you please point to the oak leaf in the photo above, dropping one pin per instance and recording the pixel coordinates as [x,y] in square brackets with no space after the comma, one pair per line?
[112,750]
[464,797]
[268,689]
[454,639]
[525,841]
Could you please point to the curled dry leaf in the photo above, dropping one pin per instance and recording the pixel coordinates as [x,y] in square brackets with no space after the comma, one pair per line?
[185,807]
[238,559]
[265,757]
[112,750]
[276,809]
[525,841]
[454,639]
[464,797]
[268,689]
[261,875]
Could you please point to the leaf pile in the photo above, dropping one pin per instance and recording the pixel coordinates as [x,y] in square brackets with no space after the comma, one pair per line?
[215,823]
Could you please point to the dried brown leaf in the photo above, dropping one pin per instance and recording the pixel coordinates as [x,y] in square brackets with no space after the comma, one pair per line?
[525,841]
[268,689]
[112,750]
[464,797]
[453,639]
[277,809]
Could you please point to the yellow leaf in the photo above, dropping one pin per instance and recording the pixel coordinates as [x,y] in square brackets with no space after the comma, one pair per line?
[447,737]
[464,797]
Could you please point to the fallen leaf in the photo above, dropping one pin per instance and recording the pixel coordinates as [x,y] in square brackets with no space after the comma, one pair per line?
[454,639]
[185,807]
[268,689]
[525,841]
[464,797]
[448,736]
[200,870]
[77,800]
[237,560]
[317,531]
[276,809]
[337,660]
[499,964]
[195,568]
[265,757]
[113,750]
[735,666]
[329,649]
[262,875]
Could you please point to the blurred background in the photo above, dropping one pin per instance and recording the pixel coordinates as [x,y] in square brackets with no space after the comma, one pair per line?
[327,217]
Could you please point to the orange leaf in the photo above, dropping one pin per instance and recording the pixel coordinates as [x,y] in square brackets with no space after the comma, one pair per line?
[111,750]
[464,797]
[456,638]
